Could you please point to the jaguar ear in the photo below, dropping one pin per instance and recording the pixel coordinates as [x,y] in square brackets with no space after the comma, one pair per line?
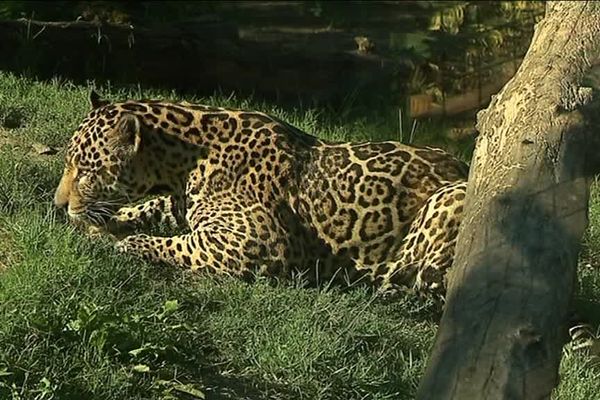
[128,132]
[96,101]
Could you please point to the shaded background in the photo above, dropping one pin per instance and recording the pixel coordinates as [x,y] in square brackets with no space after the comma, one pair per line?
[407,60]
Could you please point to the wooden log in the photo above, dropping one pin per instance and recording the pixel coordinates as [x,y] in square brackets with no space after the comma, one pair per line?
[424,106]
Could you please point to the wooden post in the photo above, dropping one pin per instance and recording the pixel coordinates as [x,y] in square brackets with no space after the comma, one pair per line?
[512,280]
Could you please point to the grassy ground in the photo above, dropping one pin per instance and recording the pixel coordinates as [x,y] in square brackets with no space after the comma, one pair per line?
[78,321]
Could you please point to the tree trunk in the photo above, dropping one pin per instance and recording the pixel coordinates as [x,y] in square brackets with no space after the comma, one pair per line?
[510,288]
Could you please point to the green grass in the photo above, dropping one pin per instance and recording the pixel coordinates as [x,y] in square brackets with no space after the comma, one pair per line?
[78,321]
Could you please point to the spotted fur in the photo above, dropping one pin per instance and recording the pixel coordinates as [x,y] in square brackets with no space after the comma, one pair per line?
[259,195]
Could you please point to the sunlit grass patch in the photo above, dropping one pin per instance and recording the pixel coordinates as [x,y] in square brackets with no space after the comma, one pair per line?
[79,321]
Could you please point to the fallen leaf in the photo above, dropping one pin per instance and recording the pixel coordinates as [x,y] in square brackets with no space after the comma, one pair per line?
[43,149]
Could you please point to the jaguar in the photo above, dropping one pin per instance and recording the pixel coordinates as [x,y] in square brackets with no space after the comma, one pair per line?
[253,195]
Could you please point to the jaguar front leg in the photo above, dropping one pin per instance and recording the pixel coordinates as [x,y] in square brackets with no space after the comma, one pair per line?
[164,209]
[230,235]
[217,249]
[174,251]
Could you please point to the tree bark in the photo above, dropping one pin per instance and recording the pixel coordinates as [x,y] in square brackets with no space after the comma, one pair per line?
[513,276]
